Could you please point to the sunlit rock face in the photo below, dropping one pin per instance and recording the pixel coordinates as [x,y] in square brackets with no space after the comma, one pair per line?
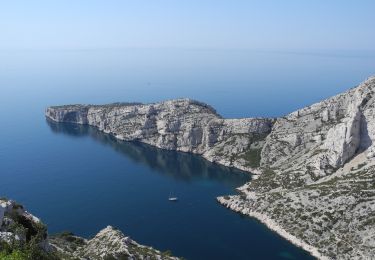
[317,140]
[183,125]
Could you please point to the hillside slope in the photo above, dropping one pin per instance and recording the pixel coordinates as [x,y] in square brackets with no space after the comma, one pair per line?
[318,183]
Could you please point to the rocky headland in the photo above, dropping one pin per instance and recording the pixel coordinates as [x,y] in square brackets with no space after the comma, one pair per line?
[182,124]
[314,168]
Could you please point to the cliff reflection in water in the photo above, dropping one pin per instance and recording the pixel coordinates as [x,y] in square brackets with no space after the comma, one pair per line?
[179,165]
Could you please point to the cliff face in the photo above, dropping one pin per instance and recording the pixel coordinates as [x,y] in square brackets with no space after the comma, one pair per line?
[182,125]
[316,184]
[317,140]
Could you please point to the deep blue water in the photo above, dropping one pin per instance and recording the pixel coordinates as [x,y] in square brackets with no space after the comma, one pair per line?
[78,179]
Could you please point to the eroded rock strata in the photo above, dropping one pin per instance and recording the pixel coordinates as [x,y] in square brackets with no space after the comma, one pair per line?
[315,184]
[183,125]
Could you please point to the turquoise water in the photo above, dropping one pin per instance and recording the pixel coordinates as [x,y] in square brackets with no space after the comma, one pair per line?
[76,178]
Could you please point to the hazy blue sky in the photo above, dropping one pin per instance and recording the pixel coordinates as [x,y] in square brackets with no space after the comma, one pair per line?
[291,25]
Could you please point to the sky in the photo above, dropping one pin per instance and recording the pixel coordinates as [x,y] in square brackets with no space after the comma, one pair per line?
[207,24]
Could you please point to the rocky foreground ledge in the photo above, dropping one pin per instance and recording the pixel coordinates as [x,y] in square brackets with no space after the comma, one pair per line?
[24,236]
[315,184]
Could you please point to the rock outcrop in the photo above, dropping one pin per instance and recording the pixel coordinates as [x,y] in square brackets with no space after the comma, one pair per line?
[109,243]
[22,231]
[316,165]
[24,236]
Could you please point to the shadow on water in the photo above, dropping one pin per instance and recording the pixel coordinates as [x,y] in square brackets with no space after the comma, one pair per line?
[178,165]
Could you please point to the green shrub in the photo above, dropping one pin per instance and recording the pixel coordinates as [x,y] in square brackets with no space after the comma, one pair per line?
[252,157]
[14,255]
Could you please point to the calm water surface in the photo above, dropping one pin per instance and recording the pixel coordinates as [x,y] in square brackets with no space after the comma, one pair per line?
[76,178]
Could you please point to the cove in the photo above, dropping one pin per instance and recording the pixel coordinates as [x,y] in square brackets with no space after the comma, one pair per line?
[126,184]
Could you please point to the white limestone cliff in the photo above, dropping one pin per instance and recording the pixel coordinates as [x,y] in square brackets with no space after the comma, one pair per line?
[182,124]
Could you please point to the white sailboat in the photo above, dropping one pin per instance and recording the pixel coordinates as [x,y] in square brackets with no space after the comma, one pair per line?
[171,198]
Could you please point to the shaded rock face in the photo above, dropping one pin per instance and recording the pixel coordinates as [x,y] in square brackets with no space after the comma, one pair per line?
[2,212]
[17,226]
[183,124]
[73,114]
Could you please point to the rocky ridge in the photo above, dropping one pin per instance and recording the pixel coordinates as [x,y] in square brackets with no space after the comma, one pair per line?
[316,165]
[109,243]
[24,236]
[183,125]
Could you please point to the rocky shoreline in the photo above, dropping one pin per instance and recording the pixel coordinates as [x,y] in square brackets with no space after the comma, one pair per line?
[315,184]
[272,225]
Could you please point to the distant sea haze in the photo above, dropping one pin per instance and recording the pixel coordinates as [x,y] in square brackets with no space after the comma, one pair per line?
[238,83]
